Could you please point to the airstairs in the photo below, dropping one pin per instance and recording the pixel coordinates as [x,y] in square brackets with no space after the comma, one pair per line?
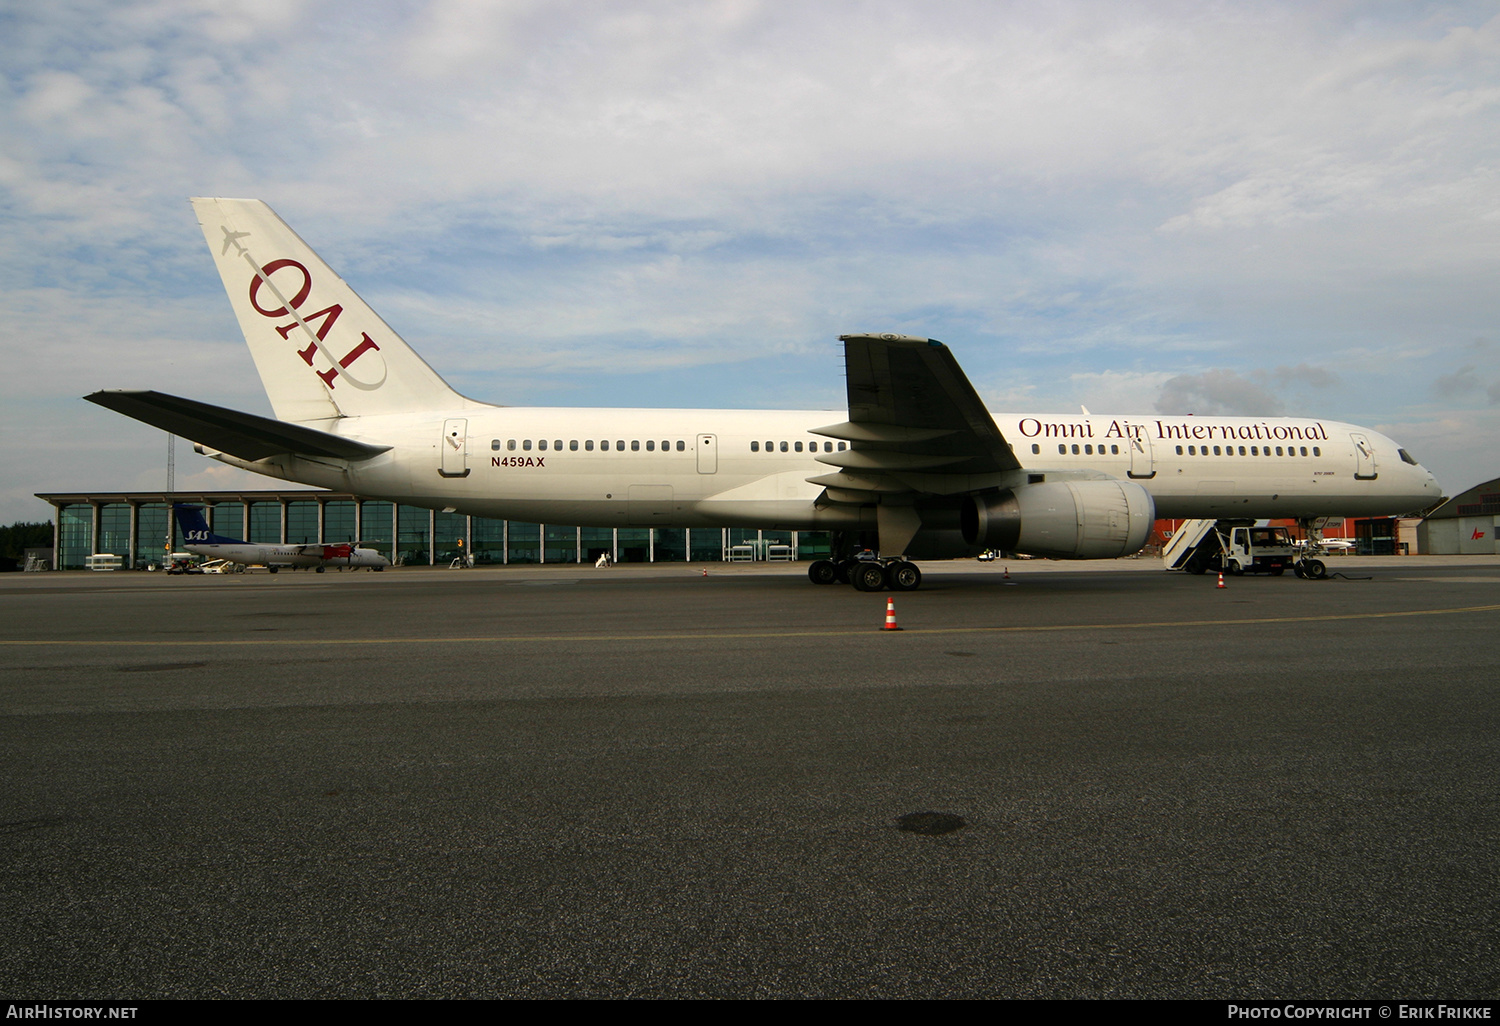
[1192,535]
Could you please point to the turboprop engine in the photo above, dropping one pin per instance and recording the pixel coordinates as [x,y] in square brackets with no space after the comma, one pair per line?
[1061,519]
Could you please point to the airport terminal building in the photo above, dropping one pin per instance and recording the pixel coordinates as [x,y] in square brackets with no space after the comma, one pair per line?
[133,526]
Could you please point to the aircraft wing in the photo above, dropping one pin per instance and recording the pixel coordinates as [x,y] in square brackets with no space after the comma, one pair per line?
[915,424]
[240,434]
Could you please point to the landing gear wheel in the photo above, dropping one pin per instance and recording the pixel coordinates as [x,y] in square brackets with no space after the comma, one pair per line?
[1314,570]
[842,569]
[272,569]
[903,576]
[822,571]
[867,577]
[320,569]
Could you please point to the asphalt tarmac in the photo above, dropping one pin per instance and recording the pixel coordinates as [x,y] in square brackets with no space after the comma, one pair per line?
[644,782]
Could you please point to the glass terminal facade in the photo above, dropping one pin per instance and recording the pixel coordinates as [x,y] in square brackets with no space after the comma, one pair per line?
[134,527]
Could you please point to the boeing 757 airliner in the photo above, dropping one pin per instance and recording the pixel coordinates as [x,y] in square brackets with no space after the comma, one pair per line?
[917,467]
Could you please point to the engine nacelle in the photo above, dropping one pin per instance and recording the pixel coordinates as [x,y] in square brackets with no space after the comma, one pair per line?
[1062,519]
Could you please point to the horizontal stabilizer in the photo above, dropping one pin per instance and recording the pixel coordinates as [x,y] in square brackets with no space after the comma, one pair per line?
[239,434]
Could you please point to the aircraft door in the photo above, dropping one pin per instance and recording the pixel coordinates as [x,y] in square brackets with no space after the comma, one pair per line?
[1142,461]
[708,454]
[455,448]
[1364,458]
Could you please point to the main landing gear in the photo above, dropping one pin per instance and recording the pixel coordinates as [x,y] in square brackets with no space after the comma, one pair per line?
[867,574]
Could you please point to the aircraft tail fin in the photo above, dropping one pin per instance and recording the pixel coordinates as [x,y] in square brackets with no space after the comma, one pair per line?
[195,529]
[320,350]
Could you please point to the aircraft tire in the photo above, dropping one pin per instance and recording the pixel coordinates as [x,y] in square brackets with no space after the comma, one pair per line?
[904,576]
[867,577]
[320,569]
[822,571]
[1314,570]
[271,569]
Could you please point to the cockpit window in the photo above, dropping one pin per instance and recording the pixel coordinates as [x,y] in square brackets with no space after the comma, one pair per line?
[1406,457]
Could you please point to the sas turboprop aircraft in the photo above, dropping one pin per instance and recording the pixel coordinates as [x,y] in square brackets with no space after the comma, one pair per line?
[200,540]
[917,468]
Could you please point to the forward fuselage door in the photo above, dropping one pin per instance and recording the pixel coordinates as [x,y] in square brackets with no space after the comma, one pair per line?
[455,448]
[708,454]
[1364,457]
[1142,463]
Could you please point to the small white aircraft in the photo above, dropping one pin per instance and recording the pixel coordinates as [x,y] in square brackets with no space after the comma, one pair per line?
[917,468]
[200,540]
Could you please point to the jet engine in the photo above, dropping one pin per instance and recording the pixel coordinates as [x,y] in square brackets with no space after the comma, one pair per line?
[1061,519]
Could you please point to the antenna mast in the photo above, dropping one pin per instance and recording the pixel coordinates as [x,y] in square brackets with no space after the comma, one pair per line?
[171,487]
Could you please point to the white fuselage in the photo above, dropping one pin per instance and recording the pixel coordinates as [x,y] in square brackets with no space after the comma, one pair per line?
[702,468]
[288,555]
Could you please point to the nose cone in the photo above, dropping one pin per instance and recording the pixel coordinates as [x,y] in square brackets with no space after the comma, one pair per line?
[1425,489]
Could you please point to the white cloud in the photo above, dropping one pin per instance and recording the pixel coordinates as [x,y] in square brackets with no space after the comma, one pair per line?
[1086,200]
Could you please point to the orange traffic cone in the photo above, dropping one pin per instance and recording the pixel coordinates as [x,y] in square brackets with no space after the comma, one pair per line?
[1007,574]
[705,571]
[890,616]
[1221,579]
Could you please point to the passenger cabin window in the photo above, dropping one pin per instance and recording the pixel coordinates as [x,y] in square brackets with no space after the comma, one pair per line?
[1035,449]
[542,445]
[620,444]
[635,445]
[588,445]
[511,445]
[783,447]
[681,446]
[841,447]
[526,445]
[755,447]
[495,445]
[1318,452]
[650,445]
[797,446]
[572,445]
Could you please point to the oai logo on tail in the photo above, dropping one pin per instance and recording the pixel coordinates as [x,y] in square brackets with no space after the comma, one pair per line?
[371,371]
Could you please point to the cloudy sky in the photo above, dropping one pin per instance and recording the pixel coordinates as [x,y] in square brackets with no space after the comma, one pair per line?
[1214,208]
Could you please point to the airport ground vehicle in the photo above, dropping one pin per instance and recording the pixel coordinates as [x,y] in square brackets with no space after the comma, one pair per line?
[1240,547]
[1257,550]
